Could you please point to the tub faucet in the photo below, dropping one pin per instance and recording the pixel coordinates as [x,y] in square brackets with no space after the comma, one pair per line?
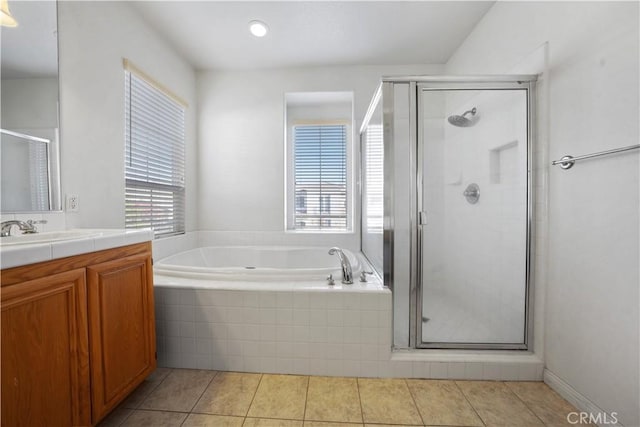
[347,276]
[27,227]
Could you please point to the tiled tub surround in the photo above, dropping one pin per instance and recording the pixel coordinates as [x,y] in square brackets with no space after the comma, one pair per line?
[309,329]
[304,328]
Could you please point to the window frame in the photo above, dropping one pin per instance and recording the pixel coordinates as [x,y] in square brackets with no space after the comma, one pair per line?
[290,196]
[177,188]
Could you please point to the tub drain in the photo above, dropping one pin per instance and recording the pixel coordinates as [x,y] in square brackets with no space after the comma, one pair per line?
[250,268]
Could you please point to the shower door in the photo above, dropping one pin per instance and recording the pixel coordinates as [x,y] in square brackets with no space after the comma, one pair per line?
[473,214]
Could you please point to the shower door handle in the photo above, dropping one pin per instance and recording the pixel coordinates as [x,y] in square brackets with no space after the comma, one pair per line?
[422,218]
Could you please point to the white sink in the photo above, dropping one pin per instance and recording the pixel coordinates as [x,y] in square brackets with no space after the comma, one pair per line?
[47,237]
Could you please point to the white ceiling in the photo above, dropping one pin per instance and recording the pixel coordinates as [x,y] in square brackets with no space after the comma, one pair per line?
[214,35]
[31,48]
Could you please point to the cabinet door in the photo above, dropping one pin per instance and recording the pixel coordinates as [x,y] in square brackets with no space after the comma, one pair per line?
[45,361]
[121,329]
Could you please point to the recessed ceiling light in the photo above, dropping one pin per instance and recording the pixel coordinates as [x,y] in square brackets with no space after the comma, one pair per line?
[258,28]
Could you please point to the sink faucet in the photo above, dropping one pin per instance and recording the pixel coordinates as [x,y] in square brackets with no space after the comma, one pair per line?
[27,227]
[347,277]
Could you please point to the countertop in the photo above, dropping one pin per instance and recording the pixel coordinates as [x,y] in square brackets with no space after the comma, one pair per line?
[15,255]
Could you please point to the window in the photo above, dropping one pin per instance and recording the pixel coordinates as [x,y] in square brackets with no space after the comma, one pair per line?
[154,156]
[325,204]
[320,174]
[301,202]
[318,179]
[373,185]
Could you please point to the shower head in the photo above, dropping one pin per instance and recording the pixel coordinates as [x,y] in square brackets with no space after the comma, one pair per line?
[463,121]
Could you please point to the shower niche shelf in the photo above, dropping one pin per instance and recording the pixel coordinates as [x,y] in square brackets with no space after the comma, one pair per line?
[501,161]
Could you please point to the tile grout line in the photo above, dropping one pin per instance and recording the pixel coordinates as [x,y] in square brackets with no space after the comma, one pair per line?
[124,419]
[253,398]
[165,410]
[360,400]
[185,418]
[200,397]
[152,390]
[475,411]
[413,399]
[204,391]
[273,418]
[524,403]
[137,407]
[306,397]
[171,370]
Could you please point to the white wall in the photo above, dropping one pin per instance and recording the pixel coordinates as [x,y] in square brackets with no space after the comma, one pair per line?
[94,38]
[241,142]
[592,300]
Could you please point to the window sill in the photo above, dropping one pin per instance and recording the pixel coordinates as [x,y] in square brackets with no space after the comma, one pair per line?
[319,231]
[162,236]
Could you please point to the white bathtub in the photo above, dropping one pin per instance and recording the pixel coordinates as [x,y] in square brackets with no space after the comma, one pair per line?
[257,264]
[279,315]
[282,317]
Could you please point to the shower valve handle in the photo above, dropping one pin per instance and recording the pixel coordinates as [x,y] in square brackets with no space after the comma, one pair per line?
[472,193]
[363,275]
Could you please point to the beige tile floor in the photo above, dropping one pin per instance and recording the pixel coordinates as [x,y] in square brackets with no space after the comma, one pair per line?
[190,398]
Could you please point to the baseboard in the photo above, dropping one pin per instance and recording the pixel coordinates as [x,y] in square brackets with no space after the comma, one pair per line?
[576,398]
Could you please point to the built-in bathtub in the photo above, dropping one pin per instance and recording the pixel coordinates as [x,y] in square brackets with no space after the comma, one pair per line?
[270,309]
[257,264]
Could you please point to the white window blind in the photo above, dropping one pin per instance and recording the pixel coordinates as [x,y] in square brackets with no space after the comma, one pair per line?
[154,158]
[374,179]
[39,175]
[320,177]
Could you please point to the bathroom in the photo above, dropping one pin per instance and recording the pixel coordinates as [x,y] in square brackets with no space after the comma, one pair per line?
[582,295]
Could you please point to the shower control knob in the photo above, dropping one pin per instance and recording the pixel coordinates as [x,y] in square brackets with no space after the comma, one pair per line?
[472,193]
[363,275]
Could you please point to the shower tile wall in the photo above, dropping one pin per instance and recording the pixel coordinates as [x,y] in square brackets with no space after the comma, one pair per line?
[337,333]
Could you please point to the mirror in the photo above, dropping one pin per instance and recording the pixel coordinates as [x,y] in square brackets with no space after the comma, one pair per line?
[29,151]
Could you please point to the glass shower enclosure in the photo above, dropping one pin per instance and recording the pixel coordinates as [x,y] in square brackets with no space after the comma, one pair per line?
[454,241]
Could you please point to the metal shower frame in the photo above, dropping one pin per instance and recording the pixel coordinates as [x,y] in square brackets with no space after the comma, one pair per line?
[416,85]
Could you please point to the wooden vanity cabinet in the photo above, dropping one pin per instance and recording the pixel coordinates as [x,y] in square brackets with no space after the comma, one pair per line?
[121,329]
[45,369]
[78,335]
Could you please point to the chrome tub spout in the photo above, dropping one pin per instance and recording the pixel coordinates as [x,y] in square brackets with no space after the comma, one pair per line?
[347,275]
